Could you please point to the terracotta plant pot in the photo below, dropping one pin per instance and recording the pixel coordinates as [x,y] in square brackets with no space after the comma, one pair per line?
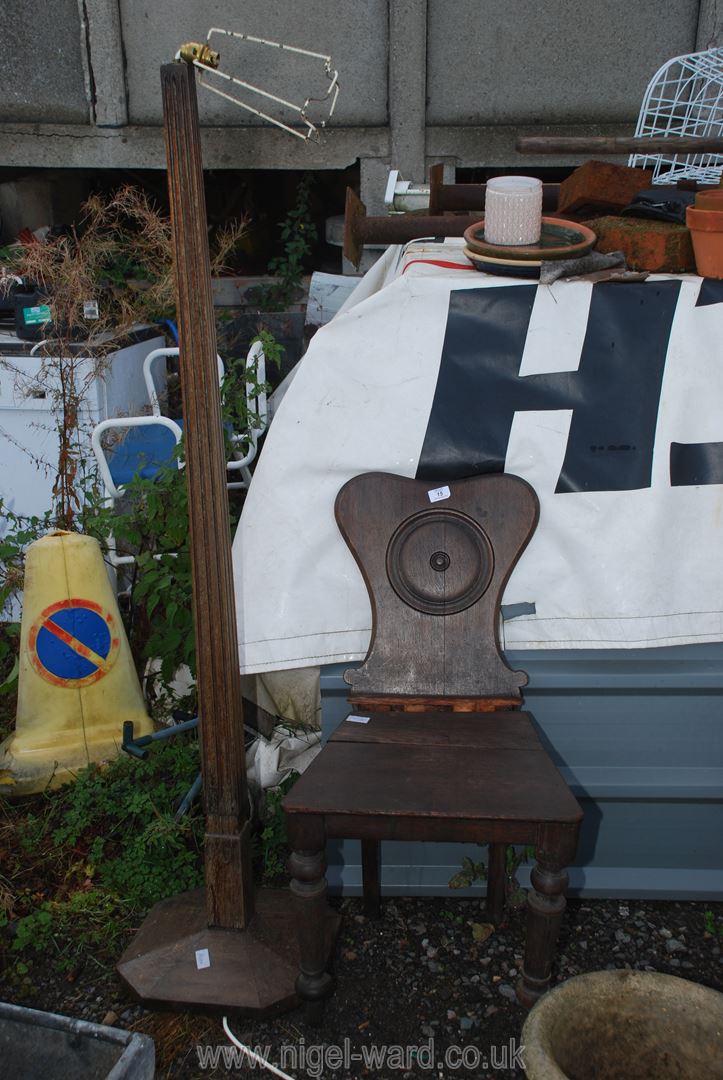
[709,200]
[706,230]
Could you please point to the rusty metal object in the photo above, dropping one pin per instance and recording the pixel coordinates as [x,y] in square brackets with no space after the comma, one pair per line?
[395,229]
[603,144]
[471,197]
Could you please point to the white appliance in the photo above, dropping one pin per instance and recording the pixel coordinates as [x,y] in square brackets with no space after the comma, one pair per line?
[29,408]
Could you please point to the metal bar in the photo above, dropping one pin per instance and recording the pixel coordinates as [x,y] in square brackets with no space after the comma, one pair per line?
[603,144]
[395,229]
[190,797]
[467,197]
[227,847]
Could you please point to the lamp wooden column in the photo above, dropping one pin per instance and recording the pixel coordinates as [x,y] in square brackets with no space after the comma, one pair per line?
[250,938]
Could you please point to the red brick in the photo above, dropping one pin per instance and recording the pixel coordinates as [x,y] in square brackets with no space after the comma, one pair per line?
[599,187]
[662,247]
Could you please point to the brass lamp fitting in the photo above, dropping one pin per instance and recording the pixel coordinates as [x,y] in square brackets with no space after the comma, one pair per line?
[194,51]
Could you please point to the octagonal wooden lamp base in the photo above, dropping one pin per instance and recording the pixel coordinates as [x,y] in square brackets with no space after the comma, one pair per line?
[250,972]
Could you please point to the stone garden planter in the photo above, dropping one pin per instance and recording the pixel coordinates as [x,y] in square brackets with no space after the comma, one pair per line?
[625,1025]
[43,1046]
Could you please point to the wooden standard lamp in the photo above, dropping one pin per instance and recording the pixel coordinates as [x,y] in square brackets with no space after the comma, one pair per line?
[223,947]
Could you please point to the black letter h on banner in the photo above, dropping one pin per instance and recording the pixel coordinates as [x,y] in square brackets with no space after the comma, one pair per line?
[614,395]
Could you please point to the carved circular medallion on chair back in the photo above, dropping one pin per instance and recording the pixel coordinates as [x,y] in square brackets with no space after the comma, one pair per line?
[440,561]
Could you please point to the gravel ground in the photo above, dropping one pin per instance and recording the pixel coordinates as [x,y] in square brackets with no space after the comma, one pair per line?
[415,978]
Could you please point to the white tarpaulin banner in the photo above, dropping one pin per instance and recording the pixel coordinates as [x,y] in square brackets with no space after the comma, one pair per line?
[606,397]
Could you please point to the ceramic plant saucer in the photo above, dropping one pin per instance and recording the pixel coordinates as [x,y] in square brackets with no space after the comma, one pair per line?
[526,268]
[559,239]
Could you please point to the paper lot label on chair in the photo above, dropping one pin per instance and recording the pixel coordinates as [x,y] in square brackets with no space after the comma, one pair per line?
[607,398]
[73,643]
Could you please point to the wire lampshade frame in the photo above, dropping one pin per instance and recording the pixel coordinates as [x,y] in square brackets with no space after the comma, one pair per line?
[225,82]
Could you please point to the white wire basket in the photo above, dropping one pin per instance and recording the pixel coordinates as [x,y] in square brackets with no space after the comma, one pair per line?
[685,97]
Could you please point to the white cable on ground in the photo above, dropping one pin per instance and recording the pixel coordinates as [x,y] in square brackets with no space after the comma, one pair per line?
[253,1056]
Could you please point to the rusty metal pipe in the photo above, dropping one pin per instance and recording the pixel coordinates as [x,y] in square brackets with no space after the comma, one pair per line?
[468,197]
[395,229]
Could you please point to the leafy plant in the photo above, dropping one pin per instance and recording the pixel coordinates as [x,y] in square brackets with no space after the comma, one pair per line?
[86,861]
[150,522]
[9,660]
[298,233]
[10,256]
[241,381]
[120,255]
[711,924]
[119,821]
[61,932]
[112,271]
[272,846]
[18,534]
[472,872]
[451,916]
[516,896]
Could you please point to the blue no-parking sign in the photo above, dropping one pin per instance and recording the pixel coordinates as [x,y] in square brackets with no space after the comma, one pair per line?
[73,643]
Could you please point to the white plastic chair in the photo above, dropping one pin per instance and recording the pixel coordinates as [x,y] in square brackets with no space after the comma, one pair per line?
[245,445]
[258,411]
[256,405]
[112,489]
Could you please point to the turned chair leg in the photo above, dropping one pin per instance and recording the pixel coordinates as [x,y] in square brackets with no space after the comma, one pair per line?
[496,879]
[545,905]
[371,881]
[308,885]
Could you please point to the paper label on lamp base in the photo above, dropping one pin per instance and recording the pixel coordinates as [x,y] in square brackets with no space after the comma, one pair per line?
[203,959]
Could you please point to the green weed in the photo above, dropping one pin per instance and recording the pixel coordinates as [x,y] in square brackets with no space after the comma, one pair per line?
[272,847]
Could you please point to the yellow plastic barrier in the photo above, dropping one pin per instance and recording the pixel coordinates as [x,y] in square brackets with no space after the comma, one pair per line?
[77,681]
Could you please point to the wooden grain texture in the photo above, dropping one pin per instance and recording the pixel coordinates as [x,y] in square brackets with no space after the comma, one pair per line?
[473,731]
[251,972]
[435,573]
[229,883]
[433,781]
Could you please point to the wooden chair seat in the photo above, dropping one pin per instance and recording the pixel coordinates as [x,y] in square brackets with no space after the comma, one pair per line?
[439,750]
[399,767]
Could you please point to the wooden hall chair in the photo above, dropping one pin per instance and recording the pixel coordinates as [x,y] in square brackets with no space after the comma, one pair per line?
[445,754]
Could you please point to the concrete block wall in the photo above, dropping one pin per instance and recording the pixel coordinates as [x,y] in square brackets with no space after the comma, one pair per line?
[422,80]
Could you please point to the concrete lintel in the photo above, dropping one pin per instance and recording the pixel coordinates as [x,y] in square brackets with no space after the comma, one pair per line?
[373,182]
[408,85]
[105,60]
[472,147]
[84,147]
[710,25]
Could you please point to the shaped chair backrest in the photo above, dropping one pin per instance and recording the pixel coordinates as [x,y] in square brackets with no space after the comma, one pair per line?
[435,562]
